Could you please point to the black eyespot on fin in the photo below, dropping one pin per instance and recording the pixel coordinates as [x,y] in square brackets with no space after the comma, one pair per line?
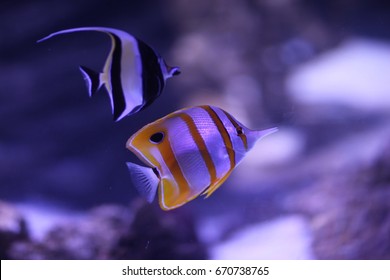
[156,137]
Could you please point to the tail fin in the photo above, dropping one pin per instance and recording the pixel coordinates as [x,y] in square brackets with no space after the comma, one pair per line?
[144,180]
[92,79]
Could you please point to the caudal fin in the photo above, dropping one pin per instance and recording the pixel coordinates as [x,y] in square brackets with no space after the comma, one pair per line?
[92,79]
[144,180]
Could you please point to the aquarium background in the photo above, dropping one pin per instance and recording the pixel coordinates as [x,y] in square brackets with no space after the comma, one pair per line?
[317,189]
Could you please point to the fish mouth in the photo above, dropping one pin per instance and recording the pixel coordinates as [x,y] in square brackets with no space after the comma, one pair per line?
[140,156]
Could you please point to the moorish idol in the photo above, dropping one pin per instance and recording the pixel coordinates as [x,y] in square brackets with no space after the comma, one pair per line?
[188,153]
[133,74]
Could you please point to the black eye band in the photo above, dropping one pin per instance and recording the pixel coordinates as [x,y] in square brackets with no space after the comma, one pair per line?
[157,137]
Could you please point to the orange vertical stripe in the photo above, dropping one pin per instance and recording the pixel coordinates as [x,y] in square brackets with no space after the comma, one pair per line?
[172,198]
[200,143]
[224,133]
[228,145]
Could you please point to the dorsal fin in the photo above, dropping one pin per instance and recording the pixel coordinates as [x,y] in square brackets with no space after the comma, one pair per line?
[144,180]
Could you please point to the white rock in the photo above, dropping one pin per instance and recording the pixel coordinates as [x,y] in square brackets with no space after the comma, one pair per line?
[354,74]
[283,238]
[10,218]
[42,217]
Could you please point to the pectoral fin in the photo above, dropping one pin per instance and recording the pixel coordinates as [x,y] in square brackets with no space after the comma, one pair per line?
[144,180]
[92,79]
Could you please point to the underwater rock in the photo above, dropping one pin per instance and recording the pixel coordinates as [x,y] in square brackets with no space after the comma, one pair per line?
[90,238]
[353,74]
[379,173]
[160,235]
[350,211]
[116,232]
[358,229]
[12,228]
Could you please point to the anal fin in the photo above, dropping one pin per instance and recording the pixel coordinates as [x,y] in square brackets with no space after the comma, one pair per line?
[144,180]
[212,188]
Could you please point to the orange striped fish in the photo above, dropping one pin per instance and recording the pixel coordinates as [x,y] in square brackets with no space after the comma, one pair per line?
[189,152]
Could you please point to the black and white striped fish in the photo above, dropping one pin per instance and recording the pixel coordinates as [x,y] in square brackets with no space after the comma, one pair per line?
[133,74]
[189,152]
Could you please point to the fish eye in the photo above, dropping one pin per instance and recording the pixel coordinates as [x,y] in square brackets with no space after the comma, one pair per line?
[239,131]
[156,137]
